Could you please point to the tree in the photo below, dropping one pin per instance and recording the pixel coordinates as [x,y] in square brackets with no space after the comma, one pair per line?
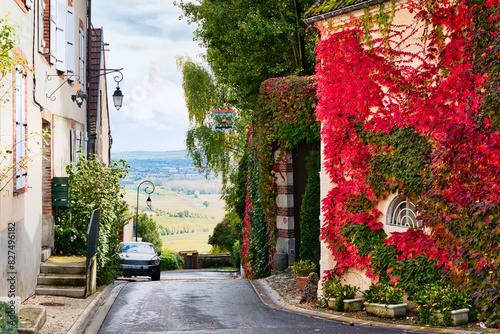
[148,231]
[247,42]
[226,233]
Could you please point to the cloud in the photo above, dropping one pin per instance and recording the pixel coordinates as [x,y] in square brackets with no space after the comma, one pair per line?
[145,39]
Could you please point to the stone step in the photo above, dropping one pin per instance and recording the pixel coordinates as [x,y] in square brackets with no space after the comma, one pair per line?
[71,265]
[61,279]
[60,290]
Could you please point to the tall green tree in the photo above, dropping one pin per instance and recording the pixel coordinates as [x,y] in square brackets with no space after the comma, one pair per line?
[148,231]
[247,42]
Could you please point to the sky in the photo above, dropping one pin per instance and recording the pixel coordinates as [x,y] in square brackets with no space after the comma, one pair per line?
[145,37]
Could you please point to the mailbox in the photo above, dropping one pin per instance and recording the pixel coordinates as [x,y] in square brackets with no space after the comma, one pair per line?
[60,191]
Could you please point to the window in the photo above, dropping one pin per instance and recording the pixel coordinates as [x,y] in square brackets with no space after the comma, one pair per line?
[402,213]
[20,130]
[57,31]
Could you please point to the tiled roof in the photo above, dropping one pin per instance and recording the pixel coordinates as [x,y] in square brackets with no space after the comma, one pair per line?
[324,9]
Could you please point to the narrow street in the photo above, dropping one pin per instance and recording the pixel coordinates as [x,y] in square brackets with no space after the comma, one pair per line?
[208,302]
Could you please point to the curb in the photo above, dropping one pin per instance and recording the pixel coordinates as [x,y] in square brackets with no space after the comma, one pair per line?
[271,298]
[105,298]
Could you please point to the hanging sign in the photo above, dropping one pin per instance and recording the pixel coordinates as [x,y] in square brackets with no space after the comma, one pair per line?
[223,119]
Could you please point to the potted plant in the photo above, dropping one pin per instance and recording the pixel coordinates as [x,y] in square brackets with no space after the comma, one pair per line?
[340,297]
[384,300]
[301,270]
[441,304]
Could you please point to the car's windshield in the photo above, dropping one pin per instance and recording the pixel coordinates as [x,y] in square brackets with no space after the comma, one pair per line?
[138,248]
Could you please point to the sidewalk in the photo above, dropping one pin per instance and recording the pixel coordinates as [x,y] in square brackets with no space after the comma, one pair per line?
[281,292]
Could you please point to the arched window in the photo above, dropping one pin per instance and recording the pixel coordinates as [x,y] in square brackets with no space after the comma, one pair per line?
[402,213]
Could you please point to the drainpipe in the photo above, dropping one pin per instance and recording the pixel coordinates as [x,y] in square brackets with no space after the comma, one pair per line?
[89,45]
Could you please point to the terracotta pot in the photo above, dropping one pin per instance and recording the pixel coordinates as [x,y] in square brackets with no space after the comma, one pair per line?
[302,282]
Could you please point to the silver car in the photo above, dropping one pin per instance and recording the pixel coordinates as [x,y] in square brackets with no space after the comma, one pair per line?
[139,259]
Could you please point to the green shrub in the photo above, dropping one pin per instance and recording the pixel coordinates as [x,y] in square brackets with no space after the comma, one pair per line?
[170,260]
[439,297]
[310,211]
[303,268]
[236,254]
[9,321]
[94,185]
[383,294]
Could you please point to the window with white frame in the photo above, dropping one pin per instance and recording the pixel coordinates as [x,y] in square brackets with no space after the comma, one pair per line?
[402,213]
[20,130]
[81,56]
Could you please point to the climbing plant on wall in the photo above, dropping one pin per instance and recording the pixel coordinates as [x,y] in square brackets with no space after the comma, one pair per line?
[429,131]
[284,118]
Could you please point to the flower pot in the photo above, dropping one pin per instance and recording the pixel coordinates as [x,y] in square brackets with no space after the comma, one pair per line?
[353,305]
[386,310]
[350,305]
[458,317]
[302,282]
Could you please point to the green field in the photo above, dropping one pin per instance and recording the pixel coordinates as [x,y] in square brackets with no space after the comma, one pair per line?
[167,201]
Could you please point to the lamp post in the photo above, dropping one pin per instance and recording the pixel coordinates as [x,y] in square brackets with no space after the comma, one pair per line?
[148,202]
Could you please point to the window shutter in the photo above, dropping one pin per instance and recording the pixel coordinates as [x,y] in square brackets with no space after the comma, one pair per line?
[71,47]
[81,56]
[61,40]
[53,29]
[72,145]
[41,41]
[85,139]
[20,130]
[29,4]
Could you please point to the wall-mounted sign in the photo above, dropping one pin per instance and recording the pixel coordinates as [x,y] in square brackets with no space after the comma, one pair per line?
[284,220]
[223,119]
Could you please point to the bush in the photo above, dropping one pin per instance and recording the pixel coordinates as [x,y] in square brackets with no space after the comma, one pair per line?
[148,231]
[170,260]
[226,232]
[236,254]
[9,321]
[383,294]
[439,297]
[94,185]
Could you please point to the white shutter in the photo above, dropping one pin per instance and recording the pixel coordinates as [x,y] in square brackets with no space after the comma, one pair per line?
[20,130]
[85,139]
[53,30]
[71,47]
[29,4]
[41,41]
[72,145]
[61,41]
[81,56]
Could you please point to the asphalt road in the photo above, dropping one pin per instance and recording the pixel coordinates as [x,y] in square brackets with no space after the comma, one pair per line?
[208,303]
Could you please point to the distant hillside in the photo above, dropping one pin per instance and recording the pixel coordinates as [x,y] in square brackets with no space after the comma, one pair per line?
[145,155]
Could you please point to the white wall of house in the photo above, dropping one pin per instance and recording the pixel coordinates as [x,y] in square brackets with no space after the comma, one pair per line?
[327,262]
[21,213]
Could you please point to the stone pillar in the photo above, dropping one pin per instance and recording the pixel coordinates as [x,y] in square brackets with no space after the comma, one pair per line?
[285,244]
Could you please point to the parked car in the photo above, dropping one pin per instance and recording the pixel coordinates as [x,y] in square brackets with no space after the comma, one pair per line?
[139,259]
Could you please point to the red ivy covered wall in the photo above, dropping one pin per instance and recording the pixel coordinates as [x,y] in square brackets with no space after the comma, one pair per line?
[413,108]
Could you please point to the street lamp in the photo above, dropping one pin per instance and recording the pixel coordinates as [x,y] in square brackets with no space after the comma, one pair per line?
[148,202]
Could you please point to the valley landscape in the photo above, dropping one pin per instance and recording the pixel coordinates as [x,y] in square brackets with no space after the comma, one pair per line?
[185,206]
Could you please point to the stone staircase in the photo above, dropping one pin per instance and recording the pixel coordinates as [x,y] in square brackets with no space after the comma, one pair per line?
[62,276]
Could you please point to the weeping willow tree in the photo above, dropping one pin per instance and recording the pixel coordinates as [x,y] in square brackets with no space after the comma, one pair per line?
[212,150]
